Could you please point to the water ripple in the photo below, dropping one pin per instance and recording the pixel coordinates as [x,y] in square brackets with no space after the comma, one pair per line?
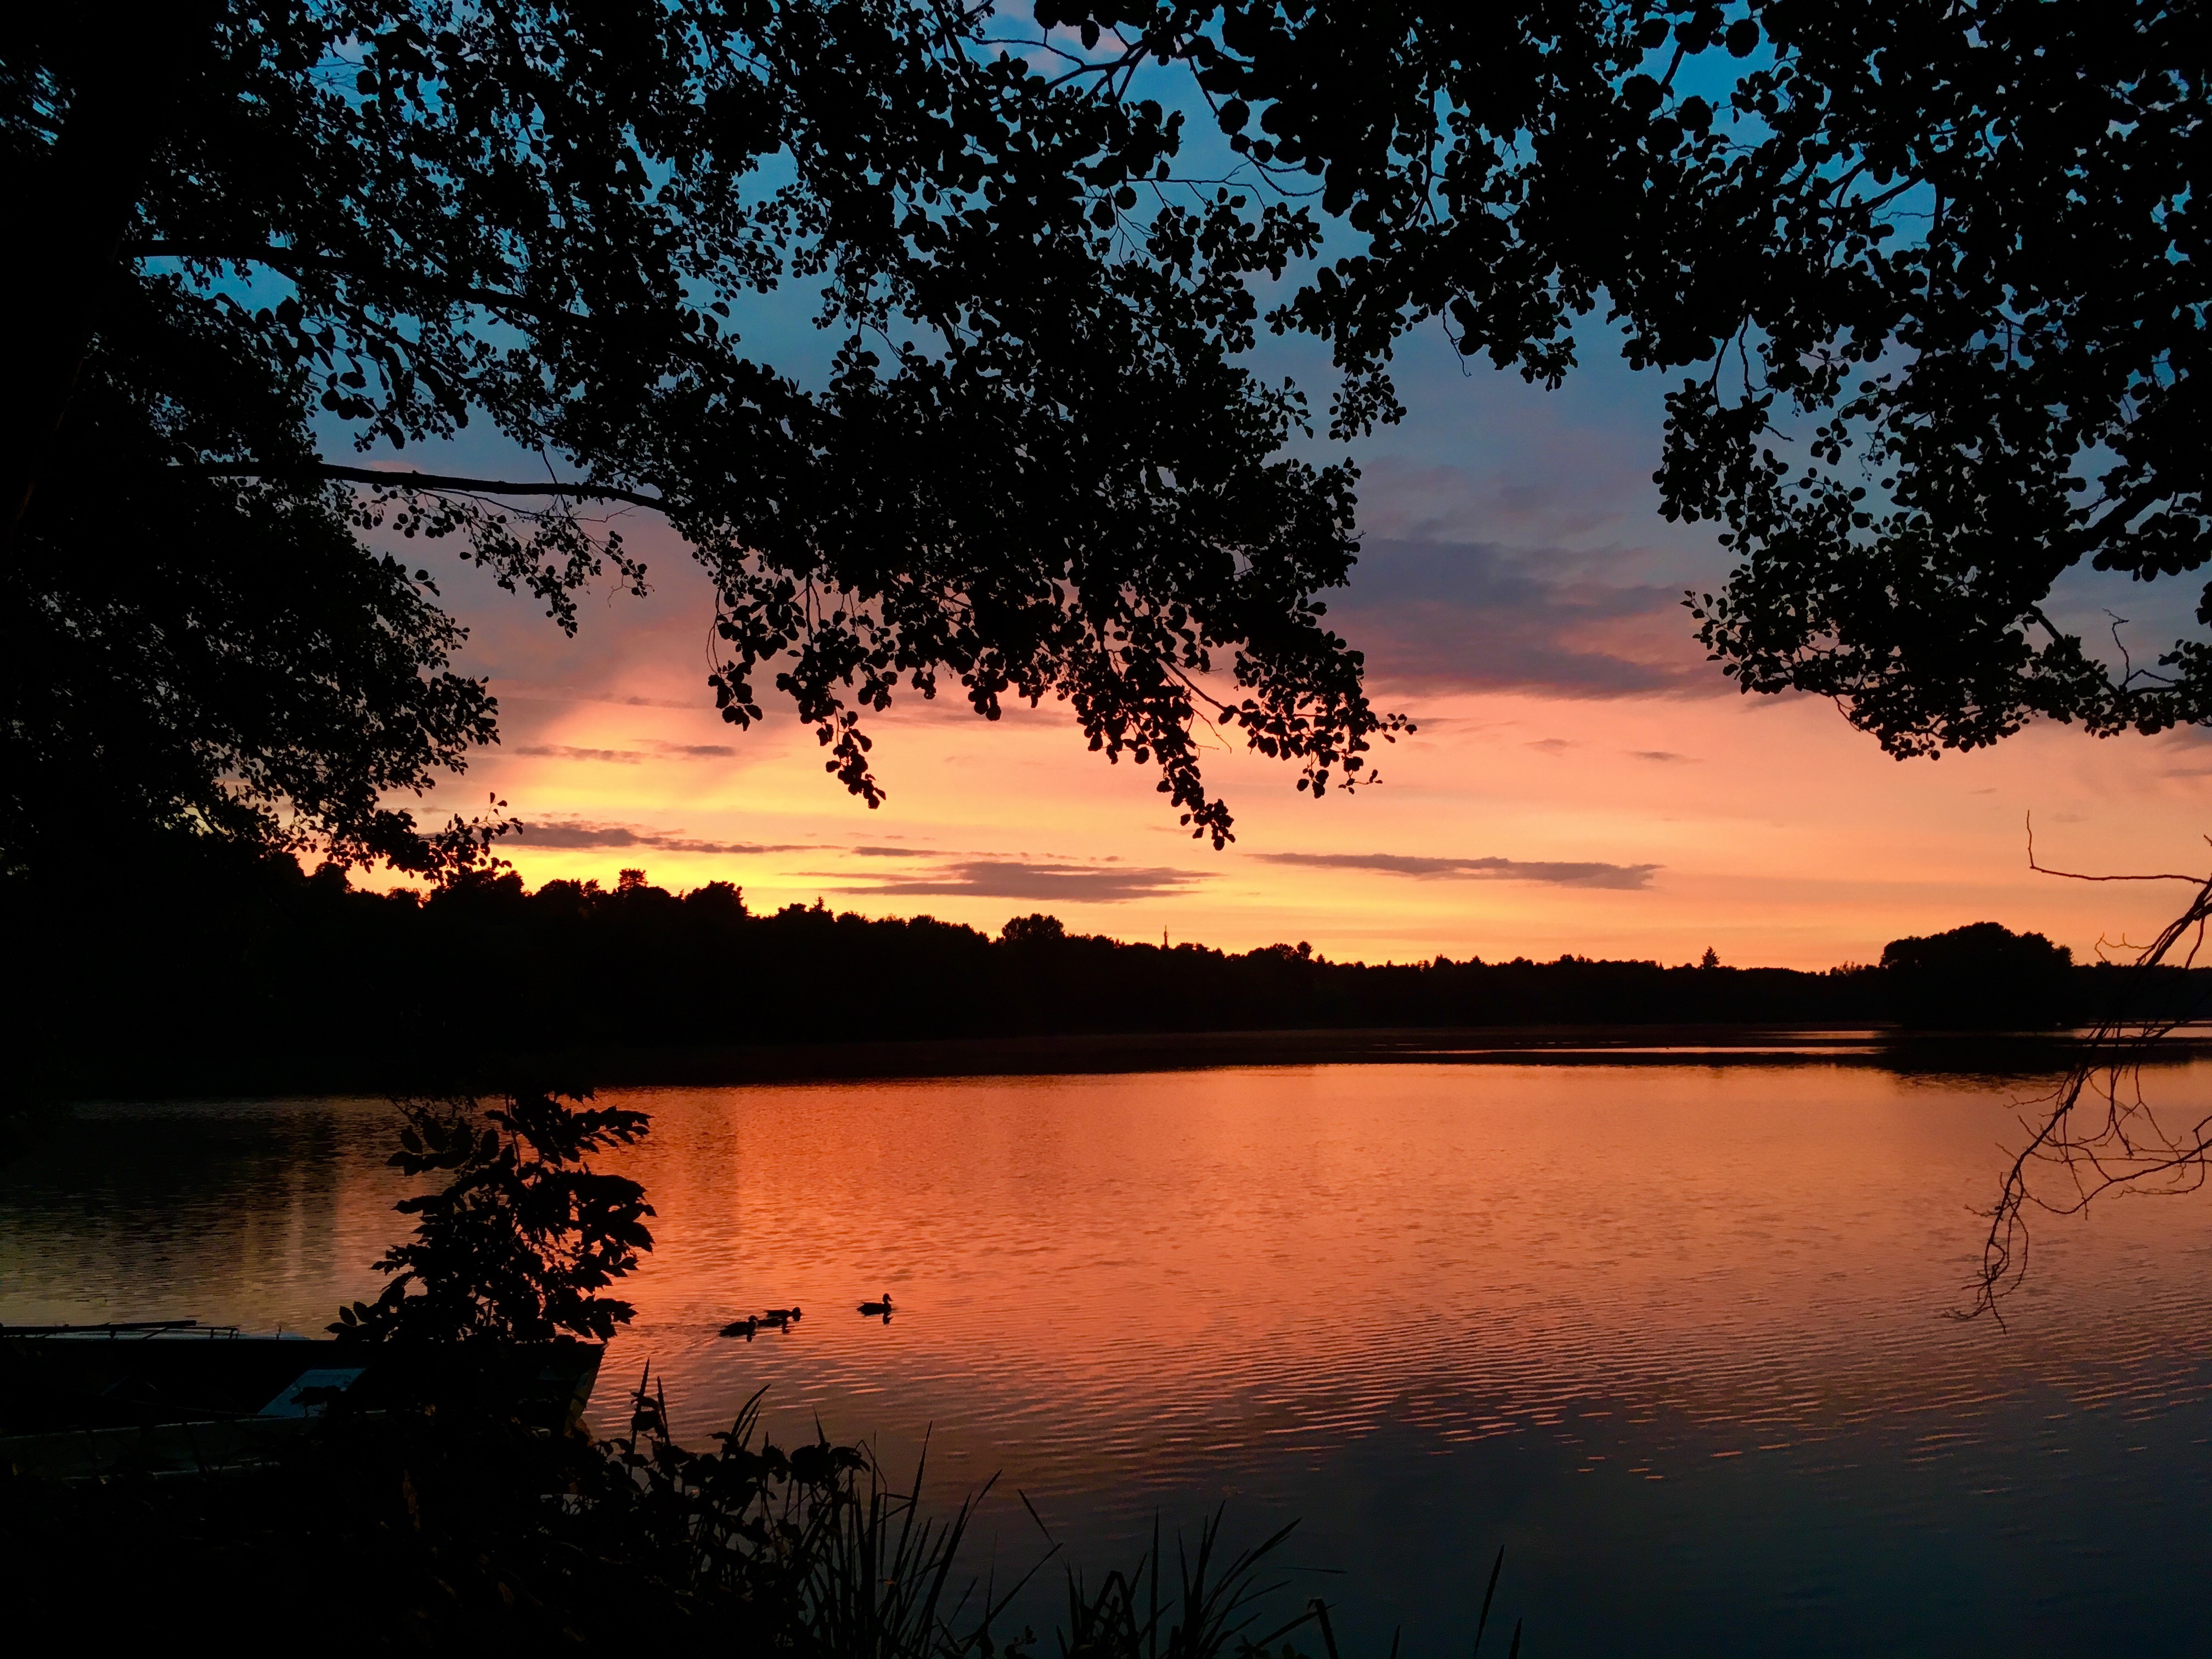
[1674,1334]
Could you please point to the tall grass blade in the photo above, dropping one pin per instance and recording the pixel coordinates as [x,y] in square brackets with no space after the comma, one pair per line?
[1034,1515]
[1152,1620]
[1496,1567]
[1327,1631]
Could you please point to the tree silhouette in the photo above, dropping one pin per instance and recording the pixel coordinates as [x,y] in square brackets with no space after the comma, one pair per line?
[1931,267]
[1035,469]
[1034,929]
[1979,976]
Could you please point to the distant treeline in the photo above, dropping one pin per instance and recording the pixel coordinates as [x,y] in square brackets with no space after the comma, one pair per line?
[263,974]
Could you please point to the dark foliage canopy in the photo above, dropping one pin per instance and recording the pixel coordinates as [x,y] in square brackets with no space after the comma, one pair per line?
[1932,265]
[1979,312]
[178,651]
[1036,471]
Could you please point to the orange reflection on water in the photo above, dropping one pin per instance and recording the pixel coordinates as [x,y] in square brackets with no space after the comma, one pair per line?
[1202,1259]
[1672,1335]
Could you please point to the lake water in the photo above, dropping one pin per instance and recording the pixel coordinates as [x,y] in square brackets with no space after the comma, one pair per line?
[1673,1335]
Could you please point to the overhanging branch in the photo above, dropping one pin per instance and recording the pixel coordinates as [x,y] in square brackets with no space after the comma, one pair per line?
[436,481]
[294,262]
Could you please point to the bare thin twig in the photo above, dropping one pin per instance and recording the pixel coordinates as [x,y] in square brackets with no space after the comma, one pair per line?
[2071,875]
[2096,1129]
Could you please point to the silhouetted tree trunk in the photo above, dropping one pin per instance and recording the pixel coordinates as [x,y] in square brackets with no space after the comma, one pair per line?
[65,221]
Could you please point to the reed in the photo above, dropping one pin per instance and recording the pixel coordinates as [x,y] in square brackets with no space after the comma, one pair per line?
[815,1550]
[456,1529]
[823,1554]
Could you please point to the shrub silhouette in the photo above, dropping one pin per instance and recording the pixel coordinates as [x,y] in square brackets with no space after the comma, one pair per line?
[521,1241]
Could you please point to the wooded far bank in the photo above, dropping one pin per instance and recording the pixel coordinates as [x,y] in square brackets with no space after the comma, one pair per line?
[244,972]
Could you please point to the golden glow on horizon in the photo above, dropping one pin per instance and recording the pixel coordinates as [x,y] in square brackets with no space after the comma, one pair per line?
[1779,834]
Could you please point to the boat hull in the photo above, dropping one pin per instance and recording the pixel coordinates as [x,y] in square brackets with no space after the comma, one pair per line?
[176,1399]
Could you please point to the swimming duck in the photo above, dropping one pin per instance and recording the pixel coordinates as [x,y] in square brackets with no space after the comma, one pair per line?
[873,1309]
[779,1315]
[744,1327]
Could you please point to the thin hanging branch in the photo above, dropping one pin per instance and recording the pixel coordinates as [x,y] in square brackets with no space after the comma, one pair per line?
[2096,1131]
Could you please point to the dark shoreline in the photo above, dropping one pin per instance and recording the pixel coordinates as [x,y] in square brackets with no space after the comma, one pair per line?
[264,981]
[2021,1054]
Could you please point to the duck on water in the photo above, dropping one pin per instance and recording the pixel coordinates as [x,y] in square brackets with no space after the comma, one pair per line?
[775,1318]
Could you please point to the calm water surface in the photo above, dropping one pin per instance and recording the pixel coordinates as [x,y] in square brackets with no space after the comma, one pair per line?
[1674,1336]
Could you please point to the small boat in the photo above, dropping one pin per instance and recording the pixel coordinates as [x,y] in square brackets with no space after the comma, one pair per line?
[175,1396]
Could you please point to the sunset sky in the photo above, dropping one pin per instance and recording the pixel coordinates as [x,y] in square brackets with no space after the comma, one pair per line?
[1581,780]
